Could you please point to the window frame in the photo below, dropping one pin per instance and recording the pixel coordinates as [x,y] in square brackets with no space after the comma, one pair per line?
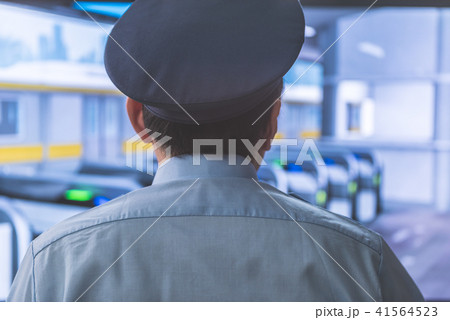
[18,136]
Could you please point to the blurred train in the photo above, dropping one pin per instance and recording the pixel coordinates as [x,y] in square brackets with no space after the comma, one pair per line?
[58,112]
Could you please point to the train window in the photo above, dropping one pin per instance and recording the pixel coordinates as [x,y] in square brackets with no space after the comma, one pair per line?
[9,117]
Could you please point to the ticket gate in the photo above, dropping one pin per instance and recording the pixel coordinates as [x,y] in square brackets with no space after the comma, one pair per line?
[71,189]
[43,201]
[273,175]
[111,170]
[343,174]
[369,200]
[7,258]
[308,181]
[15,236]
[371,173]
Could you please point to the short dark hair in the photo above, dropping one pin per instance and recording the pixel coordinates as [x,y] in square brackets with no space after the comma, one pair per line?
[237,128]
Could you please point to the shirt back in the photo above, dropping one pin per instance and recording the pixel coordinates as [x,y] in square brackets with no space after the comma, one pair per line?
[210,233]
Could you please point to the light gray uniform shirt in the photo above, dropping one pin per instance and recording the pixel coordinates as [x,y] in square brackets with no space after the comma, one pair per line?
[210,233]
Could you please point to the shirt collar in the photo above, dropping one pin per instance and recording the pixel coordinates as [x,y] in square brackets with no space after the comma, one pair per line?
[182,167]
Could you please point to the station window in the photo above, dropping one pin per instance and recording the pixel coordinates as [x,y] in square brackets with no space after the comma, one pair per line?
[9,117]
[353,117]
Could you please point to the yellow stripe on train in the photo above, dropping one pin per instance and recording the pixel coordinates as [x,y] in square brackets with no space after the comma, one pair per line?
[65,151]
[33,153]
[50,88]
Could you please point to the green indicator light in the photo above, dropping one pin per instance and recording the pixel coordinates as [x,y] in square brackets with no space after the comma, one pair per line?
[321,197]
[78,195]
[277,163]
[352,187]
[376,180]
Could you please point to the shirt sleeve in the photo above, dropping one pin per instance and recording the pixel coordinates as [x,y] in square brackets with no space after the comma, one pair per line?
[22,289]
[396,284]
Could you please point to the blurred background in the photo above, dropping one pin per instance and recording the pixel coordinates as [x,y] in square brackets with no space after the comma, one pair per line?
[377,104]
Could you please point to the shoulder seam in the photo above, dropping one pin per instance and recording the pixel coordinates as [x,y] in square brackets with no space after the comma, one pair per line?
[217,216]
[343,233]
[353,222]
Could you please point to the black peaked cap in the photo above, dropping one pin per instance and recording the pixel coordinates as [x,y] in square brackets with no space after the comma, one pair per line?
[209,60]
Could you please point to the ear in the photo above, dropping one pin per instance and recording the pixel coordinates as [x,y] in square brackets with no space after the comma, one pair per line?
[273,125]
[136,115]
